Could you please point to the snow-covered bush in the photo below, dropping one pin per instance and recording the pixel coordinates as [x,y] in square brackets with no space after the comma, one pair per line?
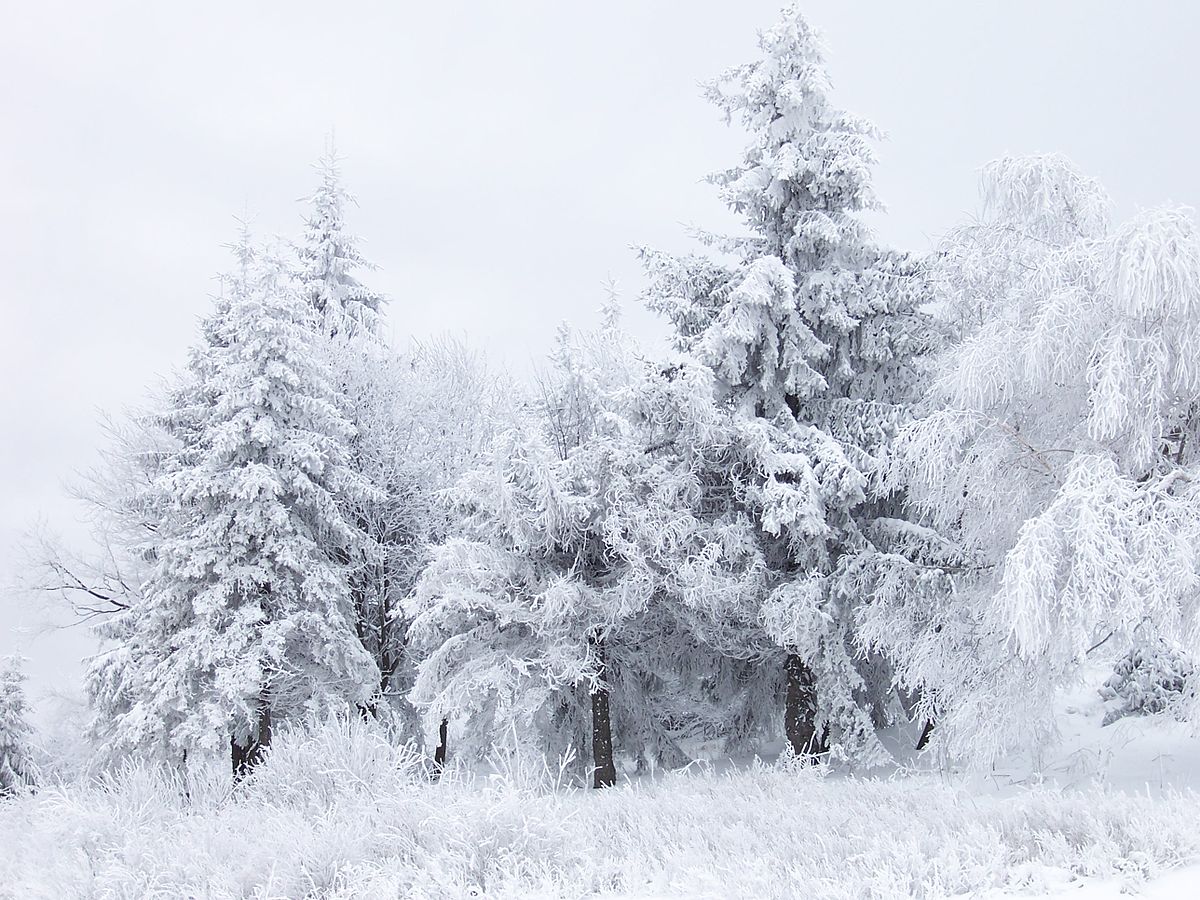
[1152,677]
[341,759]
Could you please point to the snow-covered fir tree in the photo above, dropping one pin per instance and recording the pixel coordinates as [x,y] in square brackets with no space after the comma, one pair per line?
[246,618]
[330,260]
[816,338]
[17,770]
[364,369]
[1057,457]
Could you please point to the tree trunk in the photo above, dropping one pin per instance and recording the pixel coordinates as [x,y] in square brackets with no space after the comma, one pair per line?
[926,732]
[604,768]
[800,710]
[246,755]
[439,753]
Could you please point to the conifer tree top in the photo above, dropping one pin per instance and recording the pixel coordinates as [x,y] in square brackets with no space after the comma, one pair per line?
[330,258]
[809,163]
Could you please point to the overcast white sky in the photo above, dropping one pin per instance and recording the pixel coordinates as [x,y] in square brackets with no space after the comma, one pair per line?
[506,156]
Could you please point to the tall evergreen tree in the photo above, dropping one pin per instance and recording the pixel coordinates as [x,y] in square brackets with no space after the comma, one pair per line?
[246,617]
[814,329]
[16,763]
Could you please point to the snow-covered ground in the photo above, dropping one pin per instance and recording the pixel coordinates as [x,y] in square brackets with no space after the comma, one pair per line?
[1179,884]
[338,812]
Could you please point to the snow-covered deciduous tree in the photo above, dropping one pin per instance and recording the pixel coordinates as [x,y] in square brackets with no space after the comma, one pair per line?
[1056,461]
[17,770]
[422,417]
[816,338]
[246,616]
[123,504]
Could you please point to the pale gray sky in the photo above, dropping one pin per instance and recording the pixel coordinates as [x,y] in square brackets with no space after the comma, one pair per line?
[506,155]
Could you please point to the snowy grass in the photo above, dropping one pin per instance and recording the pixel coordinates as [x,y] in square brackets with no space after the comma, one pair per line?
[339,812]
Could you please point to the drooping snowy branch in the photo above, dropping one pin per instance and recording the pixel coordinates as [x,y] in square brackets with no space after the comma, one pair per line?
[1057,451]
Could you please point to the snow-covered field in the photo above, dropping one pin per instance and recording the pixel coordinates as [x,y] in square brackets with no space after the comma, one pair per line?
[339,812]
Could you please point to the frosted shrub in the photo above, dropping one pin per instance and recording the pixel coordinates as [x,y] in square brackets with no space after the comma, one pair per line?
[1149,679]
[315,765]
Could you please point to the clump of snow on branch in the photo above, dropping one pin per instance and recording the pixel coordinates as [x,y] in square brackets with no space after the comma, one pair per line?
[1152,677]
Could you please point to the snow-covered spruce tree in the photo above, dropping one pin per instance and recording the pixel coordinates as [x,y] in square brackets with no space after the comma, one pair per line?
[131,498]
[1057,456]
[330,259]
[16,762]
[246,617]
[814,332]
[363,367]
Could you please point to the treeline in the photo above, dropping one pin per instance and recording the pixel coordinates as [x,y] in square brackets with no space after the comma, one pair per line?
[865,487]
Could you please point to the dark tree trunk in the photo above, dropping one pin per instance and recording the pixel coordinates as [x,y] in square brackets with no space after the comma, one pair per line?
[248,754]
[604,768]
[439,753]
[926,733]
[800,710]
